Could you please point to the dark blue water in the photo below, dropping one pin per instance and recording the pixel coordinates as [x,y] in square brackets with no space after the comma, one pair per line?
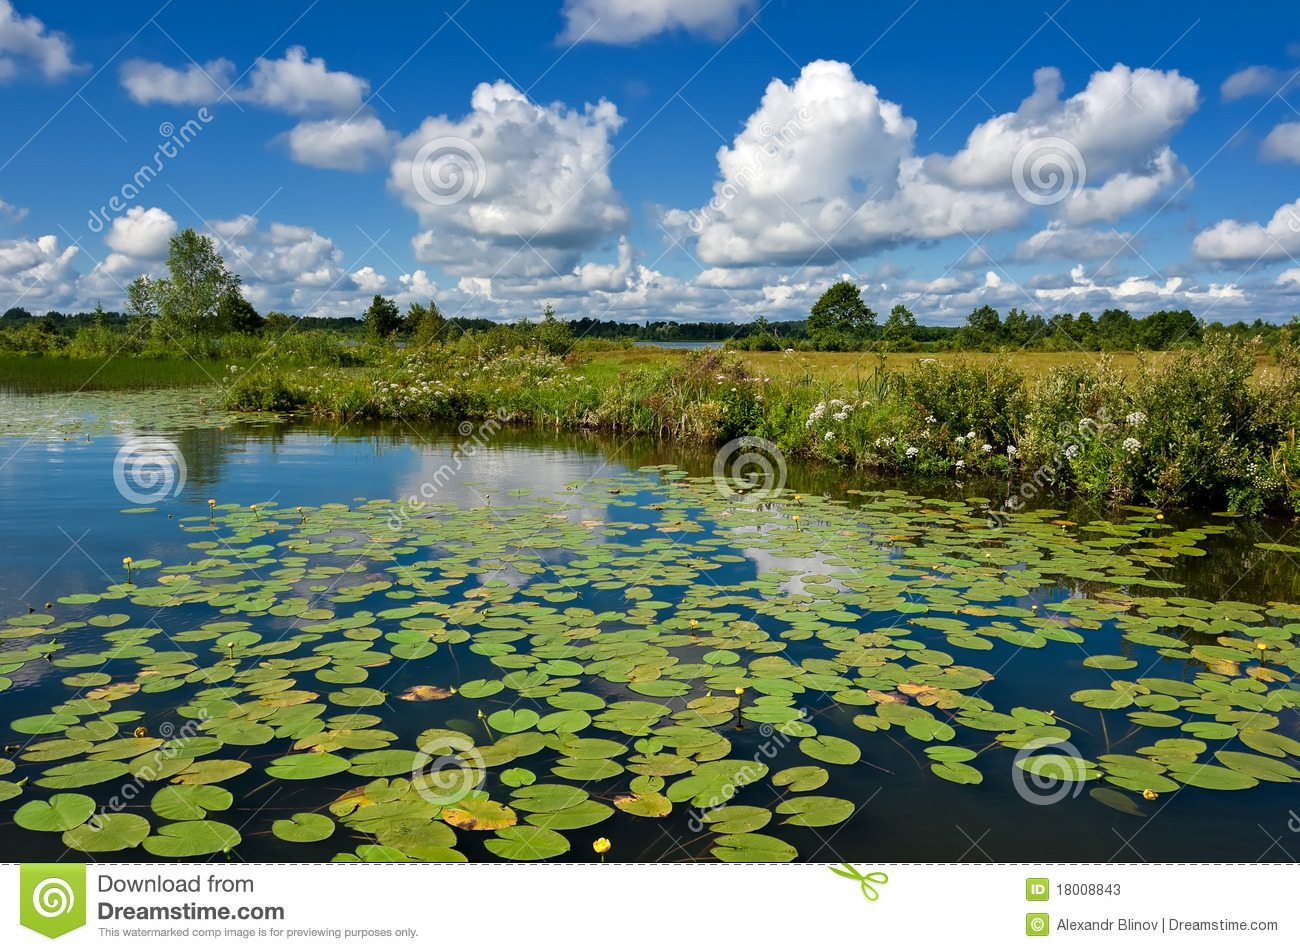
[62,531]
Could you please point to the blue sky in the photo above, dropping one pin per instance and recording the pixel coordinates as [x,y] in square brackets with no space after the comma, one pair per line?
[659,159]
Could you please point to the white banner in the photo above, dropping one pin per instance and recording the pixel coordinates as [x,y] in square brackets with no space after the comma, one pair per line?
[378,906]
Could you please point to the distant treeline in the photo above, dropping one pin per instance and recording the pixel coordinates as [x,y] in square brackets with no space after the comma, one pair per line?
[851,327]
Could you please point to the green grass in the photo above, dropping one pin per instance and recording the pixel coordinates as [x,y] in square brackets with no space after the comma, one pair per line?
[65,374]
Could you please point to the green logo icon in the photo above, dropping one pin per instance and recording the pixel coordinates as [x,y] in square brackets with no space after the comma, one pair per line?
[1037,923]
[864,880]
[1037,890]
[52,897]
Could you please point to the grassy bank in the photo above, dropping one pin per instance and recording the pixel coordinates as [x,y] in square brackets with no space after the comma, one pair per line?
[70,374]
[1213,426]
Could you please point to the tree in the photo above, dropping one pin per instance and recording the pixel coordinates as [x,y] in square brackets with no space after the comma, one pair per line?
[383,319]
[840,311]
[900,326]
[141,306]
[985,321]
[236,314]
[189,298]
[1116,327]
[425,326]
[278,323]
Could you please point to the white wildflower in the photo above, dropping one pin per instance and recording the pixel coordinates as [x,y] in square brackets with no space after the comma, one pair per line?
[1136,418]
[1131,446]
[961,464]
[912,451]
[830,435]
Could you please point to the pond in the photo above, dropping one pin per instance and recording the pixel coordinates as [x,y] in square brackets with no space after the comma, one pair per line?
[385,642]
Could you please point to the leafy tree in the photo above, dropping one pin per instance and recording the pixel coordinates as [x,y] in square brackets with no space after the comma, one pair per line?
[141,306]
[1116,327]
[278,323]
[425,326]
[986,322]
[383,319]
[189,298]
[236,314]
[840,311]
[1022,329]
[1162,329]
[900,326]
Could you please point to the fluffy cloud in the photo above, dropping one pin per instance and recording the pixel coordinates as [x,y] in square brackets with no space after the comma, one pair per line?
[1119,127]
[141,233]
[1282,143]
[1254,80]
[37,273]
[1061,242]
[825,168]
[1231,240]
[11,212]
[350,145]
[629,21]
[25,42]
[336,131]
[146,82]
[512,185]
[298,85]
[295,84]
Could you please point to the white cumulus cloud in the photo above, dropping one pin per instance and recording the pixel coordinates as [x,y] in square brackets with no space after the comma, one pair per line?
[826,167]
[141,233]
[1254,80]
[26,44]
[350,145]
[147,82]
[511,185]
[1283,142]
[1231,240]
[629,21]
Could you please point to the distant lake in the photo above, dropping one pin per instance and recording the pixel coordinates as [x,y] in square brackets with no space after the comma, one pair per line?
[680,344]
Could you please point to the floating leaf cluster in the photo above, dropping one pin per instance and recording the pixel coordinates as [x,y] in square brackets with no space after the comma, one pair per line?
[557,668]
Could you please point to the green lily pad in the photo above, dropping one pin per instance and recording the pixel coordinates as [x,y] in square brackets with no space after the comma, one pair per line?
[752,848]
[815,811]
[307,766]
[63,811]
[831,750]
[108,833]
[304,828]
[192,838]
[185,802]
